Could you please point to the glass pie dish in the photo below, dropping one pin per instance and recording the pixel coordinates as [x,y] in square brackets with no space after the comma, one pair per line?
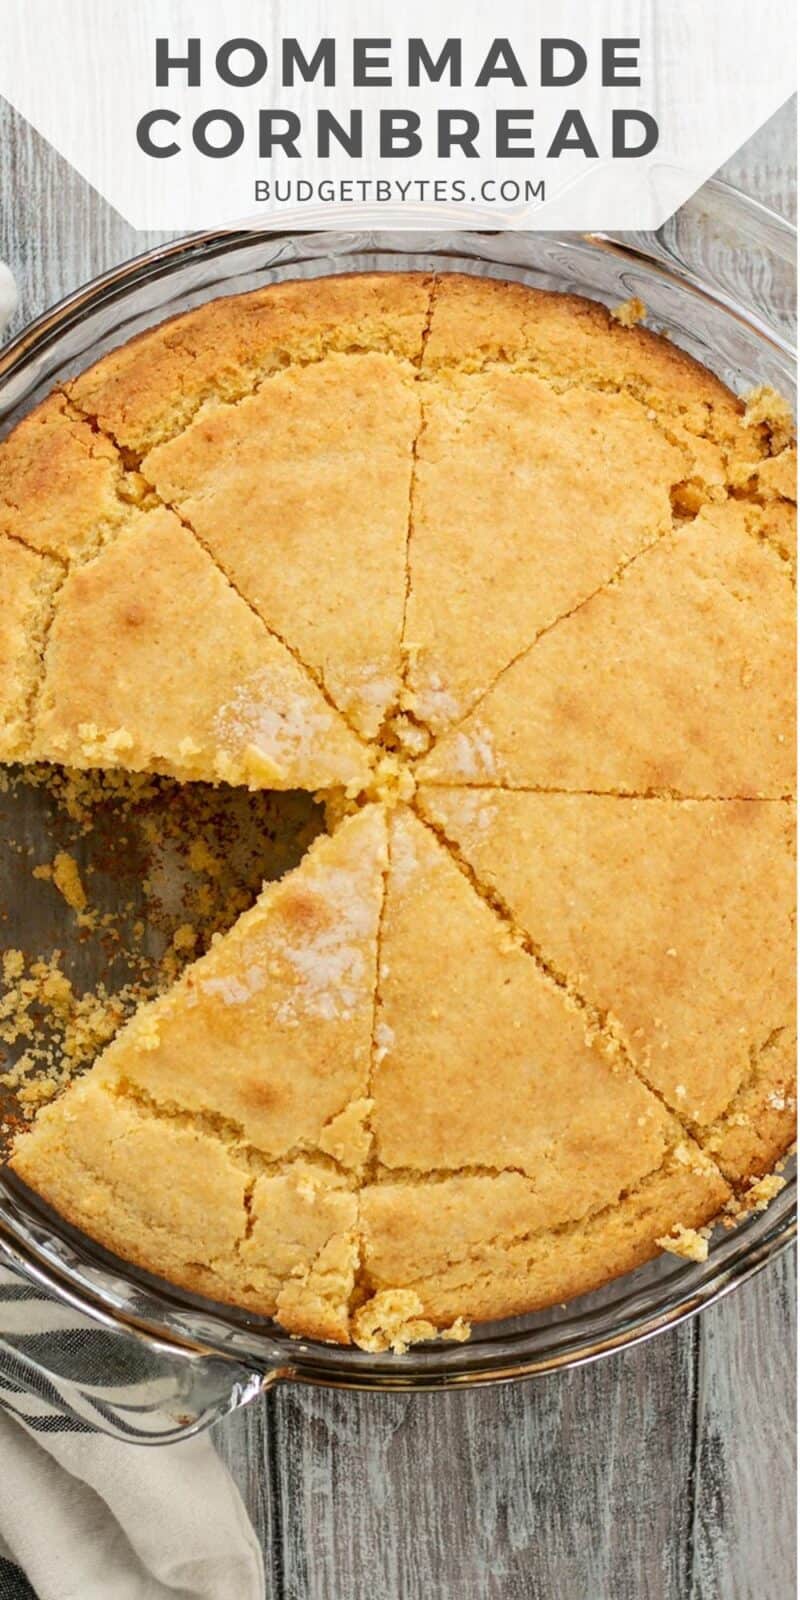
[719,279]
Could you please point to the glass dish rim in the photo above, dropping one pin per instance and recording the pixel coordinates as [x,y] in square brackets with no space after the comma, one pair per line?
[432,1366]
[57,317]
[424,1367]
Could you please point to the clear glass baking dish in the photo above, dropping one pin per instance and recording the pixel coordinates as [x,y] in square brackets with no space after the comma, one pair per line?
[719,279]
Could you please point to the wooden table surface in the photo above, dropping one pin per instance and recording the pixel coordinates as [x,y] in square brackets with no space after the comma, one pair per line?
[664,1473]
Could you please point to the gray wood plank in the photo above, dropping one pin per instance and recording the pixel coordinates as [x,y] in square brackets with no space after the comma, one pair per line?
[246,1442]
[766,166]
[551,1488]
[55,230]
[744,1515]
[663,1474]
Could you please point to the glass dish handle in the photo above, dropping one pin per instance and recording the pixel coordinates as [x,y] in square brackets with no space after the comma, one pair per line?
[60,1355]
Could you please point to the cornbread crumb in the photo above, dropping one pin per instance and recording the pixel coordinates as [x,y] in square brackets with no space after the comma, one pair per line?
[101,747]
[757,1196]
[406,735]
[202,859]
[764,406]
[393,781]
[630,312]
[347,1138]
[62,1030]
[65,874]
[259,771]
[458,1332]
[317,1295]
[391,1320]
[685,1242]
[143,1032]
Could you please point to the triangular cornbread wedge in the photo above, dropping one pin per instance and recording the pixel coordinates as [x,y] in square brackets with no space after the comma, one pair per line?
[525,502]
[677,677]
[155,663]
[301,492]
[692,963]
[29,585]
[260,1055]
[482,1060]
[63,489]
[149,389]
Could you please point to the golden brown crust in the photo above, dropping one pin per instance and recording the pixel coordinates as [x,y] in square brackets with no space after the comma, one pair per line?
[151,387]
[320,460]
[761,1122]
[213,1228]
[777,524]
[674,963]
[399,1093]
[60,483]
[230,1083]
[483,1060]
[509,476]
[569,339]
[266,1039]
[474,1247]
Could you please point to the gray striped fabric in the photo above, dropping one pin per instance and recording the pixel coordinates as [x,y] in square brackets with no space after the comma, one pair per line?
[84,1516]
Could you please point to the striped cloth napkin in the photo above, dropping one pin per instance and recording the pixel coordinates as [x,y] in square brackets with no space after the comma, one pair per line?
[88,1517]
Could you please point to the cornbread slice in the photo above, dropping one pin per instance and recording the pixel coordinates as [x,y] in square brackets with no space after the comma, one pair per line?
[266,1039]
[679,676]
[62,487]
[482,1062]
[150,388]
[29,585]
[301,492]
[570,341]
[477,1247]
[185,1206]
[154,663]
[525,502]
[692,965]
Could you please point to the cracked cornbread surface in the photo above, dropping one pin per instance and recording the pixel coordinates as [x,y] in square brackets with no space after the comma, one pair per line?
[510,584]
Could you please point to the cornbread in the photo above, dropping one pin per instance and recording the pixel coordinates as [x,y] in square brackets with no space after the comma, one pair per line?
[350,420]
[502,449]
[136,677]
[673,970]
[29,584]
[63,488]
[676,676]
[507,582]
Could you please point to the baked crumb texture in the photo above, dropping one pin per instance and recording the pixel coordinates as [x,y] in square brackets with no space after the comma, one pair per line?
[506,581]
